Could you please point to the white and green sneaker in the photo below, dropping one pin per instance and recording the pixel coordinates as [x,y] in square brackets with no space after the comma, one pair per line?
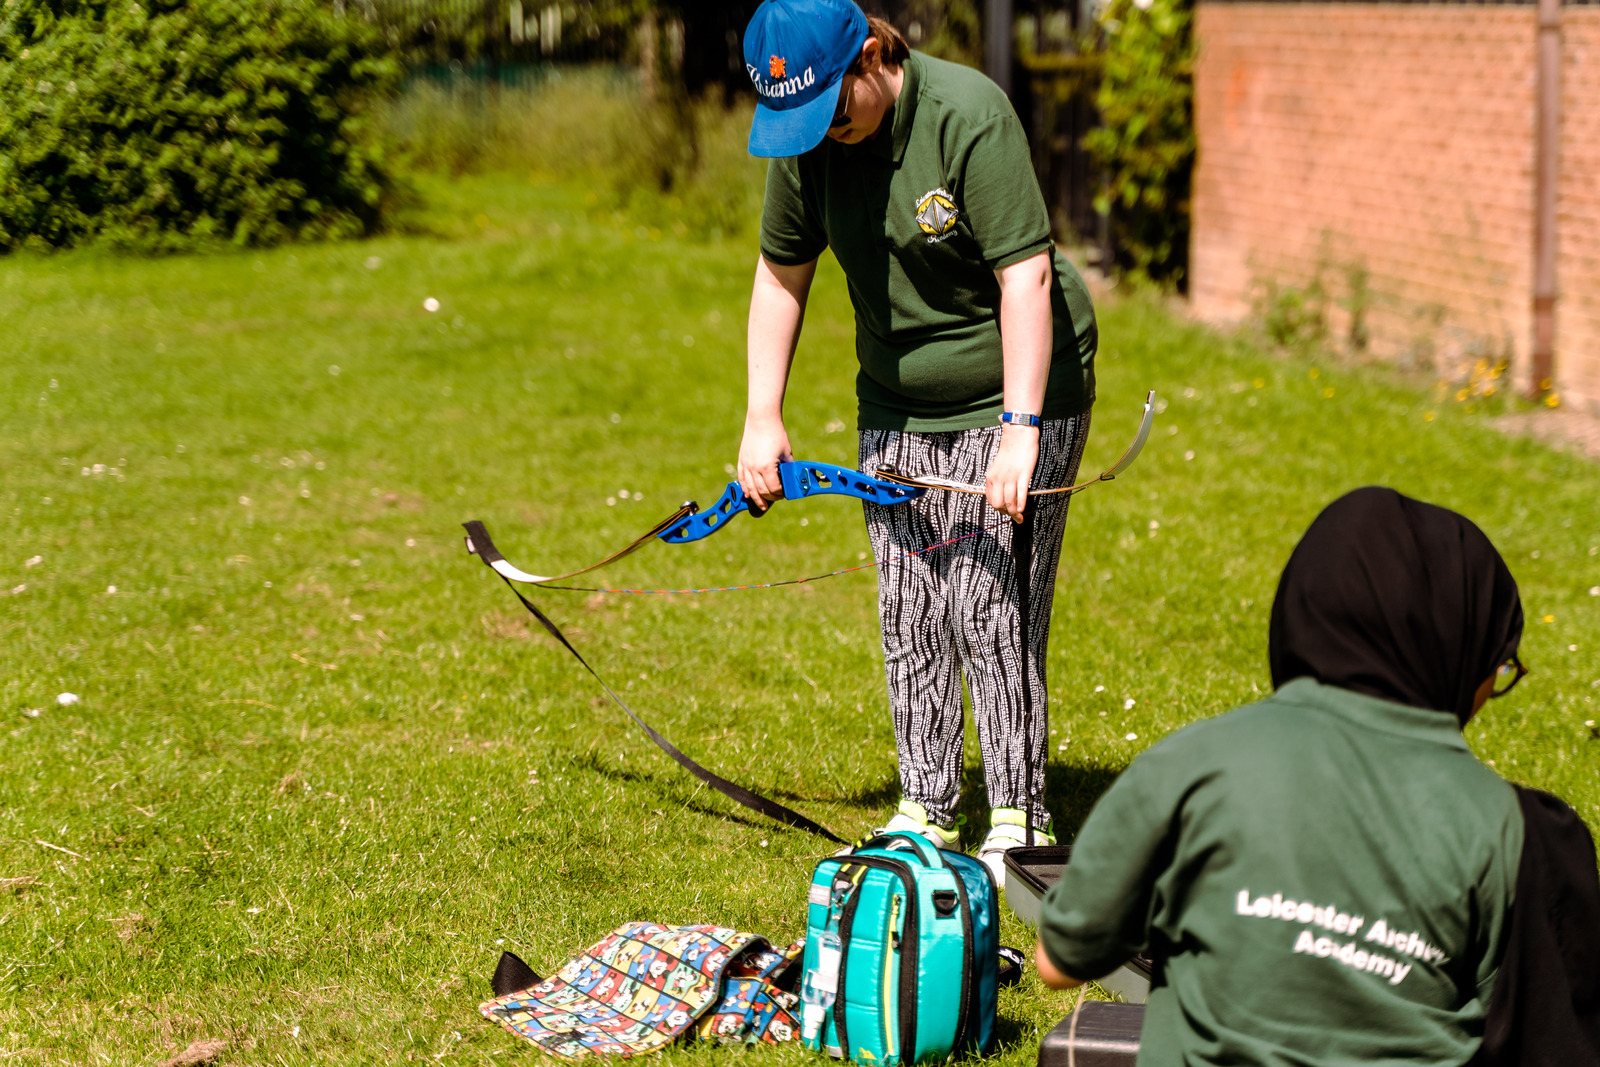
[912,818]
[1008,829]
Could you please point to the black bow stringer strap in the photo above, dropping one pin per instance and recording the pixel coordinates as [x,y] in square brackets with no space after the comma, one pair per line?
[736,793]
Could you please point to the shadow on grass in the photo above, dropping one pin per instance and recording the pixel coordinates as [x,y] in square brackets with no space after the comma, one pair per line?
[1009,1032]
[879,796]
[875,797]
[666,790]
[1070,791]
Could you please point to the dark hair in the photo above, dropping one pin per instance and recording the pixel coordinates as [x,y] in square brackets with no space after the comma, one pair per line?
[895,49]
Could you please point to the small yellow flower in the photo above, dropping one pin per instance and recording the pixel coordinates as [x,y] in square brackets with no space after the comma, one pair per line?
[1428,417]
[1548,618]
[1552,401]
[1328,392]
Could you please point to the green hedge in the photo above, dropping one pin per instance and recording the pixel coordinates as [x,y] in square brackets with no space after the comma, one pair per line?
[163,125]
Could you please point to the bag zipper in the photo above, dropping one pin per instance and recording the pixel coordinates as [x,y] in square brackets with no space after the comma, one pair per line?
[891,946]
[908,950]
[968,966]
[847,914]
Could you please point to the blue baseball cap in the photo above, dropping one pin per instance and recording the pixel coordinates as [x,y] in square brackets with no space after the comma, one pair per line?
[796,52]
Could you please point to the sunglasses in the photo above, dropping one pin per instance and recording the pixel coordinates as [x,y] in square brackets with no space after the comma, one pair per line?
[1506,678]
[841,116]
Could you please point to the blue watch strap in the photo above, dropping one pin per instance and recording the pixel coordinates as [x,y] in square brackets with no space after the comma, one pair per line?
[1017,418]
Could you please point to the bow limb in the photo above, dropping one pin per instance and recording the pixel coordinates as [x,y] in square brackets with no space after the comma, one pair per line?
[1139,440]
[480,545]
[934,481]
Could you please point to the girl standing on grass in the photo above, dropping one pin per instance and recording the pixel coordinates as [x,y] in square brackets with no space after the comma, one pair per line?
[976,343]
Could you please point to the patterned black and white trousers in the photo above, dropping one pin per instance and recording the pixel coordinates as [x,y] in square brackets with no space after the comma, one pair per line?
[953,611]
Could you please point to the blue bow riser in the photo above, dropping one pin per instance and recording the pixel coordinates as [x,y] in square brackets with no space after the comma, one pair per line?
[800,480]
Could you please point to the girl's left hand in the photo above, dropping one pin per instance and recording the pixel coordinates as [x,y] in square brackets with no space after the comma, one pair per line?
[1010,473]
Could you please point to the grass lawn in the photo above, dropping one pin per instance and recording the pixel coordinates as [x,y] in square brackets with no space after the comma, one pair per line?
[322,771]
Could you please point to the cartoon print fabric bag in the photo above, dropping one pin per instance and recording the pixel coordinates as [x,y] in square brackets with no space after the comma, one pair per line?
[755,1006]
[644,985]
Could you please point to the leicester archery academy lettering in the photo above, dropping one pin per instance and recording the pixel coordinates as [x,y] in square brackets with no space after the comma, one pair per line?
[777,86]
[1360,955]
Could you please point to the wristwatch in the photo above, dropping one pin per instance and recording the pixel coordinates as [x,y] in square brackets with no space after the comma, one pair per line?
[1017,418]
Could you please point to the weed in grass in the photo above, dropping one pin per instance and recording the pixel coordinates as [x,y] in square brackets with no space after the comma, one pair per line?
[318,777]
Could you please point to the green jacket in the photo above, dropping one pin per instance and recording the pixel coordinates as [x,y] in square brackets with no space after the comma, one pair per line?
[1323,877]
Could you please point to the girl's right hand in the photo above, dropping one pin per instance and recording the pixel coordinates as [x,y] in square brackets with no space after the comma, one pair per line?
[765,445]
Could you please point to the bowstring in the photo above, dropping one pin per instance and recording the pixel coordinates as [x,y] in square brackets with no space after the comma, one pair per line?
[788,581]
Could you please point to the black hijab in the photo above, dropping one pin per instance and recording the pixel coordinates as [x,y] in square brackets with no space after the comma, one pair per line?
[1397,599]
[1545,1008]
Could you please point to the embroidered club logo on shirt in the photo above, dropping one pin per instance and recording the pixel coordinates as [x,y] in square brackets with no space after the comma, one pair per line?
[775,66]
[936,215]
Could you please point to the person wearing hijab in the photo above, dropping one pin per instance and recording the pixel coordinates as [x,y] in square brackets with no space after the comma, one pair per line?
[1326,876]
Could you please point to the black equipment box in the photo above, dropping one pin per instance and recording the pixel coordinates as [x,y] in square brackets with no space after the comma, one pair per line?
[1030,872]
[1099,1033]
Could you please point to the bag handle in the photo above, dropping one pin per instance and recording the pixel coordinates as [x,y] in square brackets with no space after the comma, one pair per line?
[927,850]
[511,975]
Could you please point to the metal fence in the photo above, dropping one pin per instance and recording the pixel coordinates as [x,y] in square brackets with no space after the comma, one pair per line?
[1055,69]
[698,46]
[501,33]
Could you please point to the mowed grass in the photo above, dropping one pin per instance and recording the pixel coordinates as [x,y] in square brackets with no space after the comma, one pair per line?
[322,771]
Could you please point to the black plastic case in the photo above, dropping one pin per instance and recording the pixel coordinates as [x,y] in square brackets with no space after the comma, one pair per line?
[1099,1033]
[1030,872]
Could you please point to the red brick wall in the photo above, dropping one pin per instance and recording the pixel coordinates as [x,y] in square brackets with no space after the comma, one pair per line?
[1394,140]
[1578,210]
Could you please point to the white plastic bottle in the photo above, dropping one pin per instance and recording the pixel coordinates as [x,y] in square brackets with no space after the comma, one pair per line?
[820,986]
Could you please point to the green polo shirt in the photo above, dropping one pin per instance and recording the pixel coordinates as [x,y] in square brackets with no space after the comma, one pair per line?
[920,217]
[1324,877]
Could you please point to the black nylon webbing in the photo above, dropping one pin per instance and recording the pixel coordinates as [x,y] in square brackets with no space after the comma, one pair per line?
[737,793]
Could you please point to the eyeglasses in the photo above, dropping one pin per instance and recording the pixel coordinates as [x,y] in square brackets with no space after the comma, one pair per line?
[1506,678]
[841,116]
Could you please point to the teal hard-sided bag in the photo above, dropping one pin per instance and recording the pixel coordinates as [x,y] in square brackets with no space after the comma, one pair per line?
[904,936]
